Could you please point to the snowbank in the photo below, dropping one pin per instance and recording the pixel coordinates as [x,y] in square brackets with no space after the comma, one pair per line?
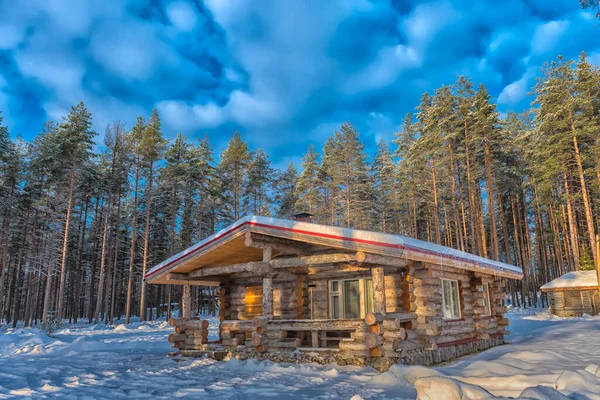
[549,358]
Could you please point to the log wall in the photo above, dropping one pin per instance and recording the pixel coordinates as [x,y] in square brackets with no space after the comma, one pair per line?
[410,321]
[573,303]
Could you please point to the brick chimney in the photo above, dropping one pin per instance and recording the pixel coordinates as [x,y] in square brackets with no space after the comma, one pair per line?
[302,217]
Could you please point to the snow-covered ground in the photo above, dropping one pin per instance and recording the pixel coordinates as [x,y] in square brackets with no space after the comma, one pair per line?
[131,362]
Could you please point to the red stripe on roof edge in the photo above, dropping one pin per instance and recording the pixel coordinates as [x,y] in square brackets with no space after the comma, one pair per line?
[329,236]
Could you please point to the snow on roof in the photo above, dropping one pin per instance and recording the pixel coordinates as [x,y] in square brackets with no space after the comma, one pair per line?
[388,243]
[573,280]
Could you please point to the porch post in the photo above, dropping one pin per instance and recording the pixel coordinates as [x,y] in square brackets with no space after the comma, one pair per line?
[378,290]
[186,302]
[268,297]
[267,286]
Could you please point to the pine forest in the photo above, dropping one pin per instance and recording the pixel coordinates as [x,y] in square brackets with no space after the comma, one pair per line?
[81,223]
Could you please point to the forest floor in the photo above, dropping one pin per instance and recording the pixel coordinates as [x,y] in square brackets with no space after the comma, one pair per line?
[130,361]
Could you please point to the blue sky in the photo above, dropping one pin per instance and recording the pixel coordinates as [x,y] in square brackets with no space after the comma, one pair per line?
[284,73]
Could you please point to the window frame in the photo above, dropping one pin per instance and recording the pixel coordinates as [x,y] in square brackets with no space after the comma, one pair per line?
[487,299]
[453,317]
[340,294]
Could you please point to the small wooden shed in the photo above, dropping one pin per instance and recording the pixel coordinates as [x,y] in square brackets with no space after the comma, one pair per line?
[295,291]
[573,294]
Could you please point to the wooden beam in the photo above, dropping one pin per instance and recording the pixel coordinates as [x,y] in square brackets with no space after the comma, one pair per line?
[267,254]
[284,245]
[378,290]
[186,302]
[312,260]
[369,258]
[337,268]
[267,297]
[257,267]
[184,279]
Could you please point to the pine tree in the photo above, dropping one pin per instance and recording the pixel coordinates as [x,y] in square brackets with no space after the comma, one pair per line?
[232,170]
[76,139]
[257,186]
[308,192]
[134,138]
[152,146]
[286,192]
[385,187]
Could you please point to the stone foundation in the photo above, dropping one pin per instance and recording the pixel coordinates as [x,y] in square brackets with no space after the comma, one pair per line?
[382,364]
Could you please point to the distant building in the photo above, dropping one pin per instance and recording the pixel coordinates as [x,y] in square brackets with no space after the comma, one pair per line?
[573,294]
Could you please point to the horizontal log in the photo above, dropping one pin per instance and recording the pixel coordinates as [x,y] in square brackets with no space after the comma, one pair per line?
[261,348]
[181,321]
[260,322]
[316,324]
[196,333]
[311,260]
[377,351]
[259,339]
[276,335]
[259,241]
[376,329]
[402,317]
[197,324]
[233,342]
[176,337]
[228,334]
[254,267]
[179,329]
[460,330]
[196,340]
[377,259]
[184,279]
[353,346]
[237,325]
[369,339]
[373,318]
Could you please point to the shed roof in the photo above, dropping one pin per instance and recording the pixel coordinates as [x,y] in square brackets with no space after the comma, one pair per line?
[227,247]
[576,280]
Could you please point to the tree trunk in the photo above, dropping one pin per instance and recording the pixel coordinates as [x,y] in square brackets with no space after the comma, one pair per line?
[132,246]
[455,212]
[436,216]
[572,224]
[146,243]
[105,234]
[63,263]
[116,260]
[495,252]
[584,192]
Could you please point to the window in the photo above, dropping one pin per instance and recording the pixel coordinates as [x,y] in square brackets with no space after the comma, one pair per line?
[351,298]
[451,299]
[487,305]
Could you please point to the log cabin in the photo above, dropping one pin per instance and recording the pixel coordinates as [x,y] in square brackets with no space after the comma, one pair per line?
[573,294]
[295,291]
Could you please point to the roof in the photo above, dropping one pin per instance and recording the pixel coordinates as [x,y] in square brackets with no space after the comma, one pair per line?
[227,247]
[576,280]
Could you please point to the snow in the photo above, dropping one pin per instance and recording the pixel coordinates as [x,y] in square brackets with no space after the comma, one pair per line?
[548,358]
[575,279]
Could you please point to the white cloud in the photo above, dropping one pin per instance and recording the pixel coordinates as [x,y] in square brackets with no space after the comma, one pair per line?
[516,91]
[129,50]
[547,36]
[384,70]
[425,22]
[183,116]
[182,15]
